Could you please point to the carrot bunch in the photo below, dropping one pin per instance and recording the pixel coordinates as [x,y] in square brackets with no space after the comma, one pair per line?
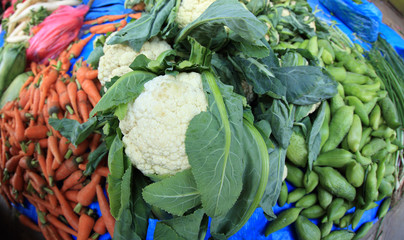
[38,164]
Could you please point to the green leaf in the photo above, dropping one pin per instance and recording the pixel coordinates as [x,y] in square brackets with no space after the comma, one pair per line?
[214,149]
[187,227]
[165,232]
[314,137]
[116,161]
[257,6]
[114,193]
[125,89]
[302,111]
[228,13]
[124,226]
[94,158]
[175,194]
[121,111]
[136,33]
[140,63]
[95,55]
[73,130]
[254,181]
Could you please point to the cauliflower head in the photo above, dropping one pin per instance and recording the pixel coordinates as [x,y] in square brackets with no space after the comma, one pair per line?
[118,57]
[190,10]
[156,122]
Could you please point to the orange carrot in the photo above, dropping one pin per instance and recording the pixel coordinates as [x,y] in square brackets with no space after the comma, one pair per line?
[75,178]
[63,146]
[49,79]
[81,148]
[42,163]
[53,103]
[19,126]
[43,143]
[53,201]
[27,222]
[12,163]
[103,171]
[37,181]
[49,162]
[92,91]
[135,15]
[86,224]
[77,47]
[71,195]
[87,194]
[104,28]
[67,168]
[34,66]
[99,226]
[58,224]
[72,93]
[64,235]
[53,146]
[92,74]
[27,163]
[17,181]
[36,132]
[35,104]
[68,213]
[105,210]
[53,233]
[64,100]
[82,105]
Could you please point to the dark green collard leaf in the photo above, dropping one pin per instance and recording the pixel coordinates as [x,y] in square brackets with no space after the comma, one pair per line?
[95,55]
[273,188]
[255,179]
[214,148]
[114,193]
[124,226]
[314,137]
[140,208]
[299,25]
[94,158]
[125,89]
[140,63]
[187,227]
[226,72]
[165,232]
[228,13]
[73,130]
[149,25]
[257,6]
[175,194]
[116,161]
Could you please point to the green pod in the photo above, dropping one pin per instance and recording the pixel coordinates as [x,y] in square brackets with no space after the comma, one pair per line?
[375,145]
[297,150]
[363,230]
[358,91]
[284,219]
[344,144]
[340,90]
[371,183]
[359,109]
[384,208]
[391,148]
[325,130]
[336,102]
[333,208]
[345,221]
[386,188]
[390,169]
[364,161]
[355,174]
[310,181]
[340,235]
[339,73]
[341,56]
[355,134]
[326,56]
[368,107]
[384,132]
[389,112]
[325,228]
[324,197]
[390,179]
[313,46]
[296,195]
[335,158]
[375,117]
[283,195]
[340,124]
[306,230]
[304,44]
[356,78]
[381,167]
[335,183]
[357,217]
[307,201]
[365,138]
[295,175]
[327,46]
[380,155]
[353,65]
[315,211]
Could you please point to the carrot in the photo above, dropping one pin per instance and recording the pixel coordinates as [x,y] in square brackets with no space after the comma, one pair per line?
[92,91]
[82,105]
[104,28]
[72,93]
[78,187]
[64,100]
[86,195]
[49,170]
[103,171]
[17,181]
[27,222]
[105,210]
[53,103]
[34,66]
[77,47]
[43,143]
[53,233]
[135,15]
[44,230]
[37,181]
[95,141]
[73,117]
[92,74]
[99,226]
[105,18]
[63,146]
[27,163]
[67,168]
[68,213]
[36,132]
[64,235]
[86,224]
[71,195]
[122,24]
[27,83]
[81,148]
[35,104]
[19,126]
[42,164]
[53,146]
[53,201]
[49,79]
[73,179]
[12,163]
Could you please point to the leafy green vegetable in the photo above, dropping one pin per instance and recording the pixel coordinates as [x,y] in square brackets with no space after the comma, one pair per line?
[95,55]
[124,90]
[73,130]
[175,194]
[164,231]
[94,158]
[147,26]
[314,137]
[213,146]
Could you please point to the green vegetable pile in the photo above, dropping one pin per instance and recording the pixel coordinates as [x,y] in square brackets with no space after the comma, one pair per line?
[280,85]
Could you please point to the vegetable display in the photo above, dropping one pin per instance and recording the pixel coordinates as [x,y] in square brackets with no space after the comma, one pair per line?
[195,114]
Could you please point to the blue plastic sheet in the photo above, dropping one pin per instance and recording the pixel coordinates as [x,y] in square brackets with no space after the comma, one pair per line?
[105,7]
[364,19]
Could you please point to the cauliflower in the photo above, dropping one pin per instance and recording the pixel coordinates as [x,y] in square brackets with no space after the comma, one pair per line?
[118,57]
[190,10]
[156,122]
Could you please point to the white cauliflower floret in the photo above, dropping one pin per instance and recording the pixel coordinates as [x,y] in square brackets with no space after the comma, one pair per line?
[156,122]
[190,10]
[118,57]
